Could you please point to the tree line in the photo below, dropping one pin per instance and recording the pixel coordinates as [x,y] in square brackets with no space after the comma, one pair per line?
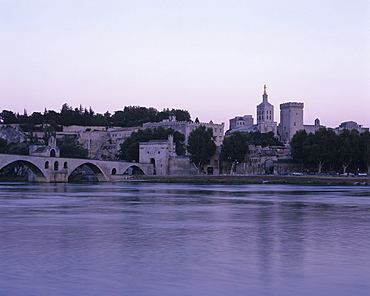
[129,116]
[326,150]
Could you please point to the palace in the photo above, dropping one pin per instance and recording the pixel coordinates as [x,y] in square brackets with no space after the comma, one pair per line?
[291,121]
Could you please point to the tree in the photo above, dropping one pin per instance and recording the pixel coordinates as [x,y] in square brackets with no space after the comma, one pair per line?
[13,148]
[365,150]
[69,147]
[321,147]
[181,115]
[234,148]
[8,117]
[349,148]
[296,146]
[264,139]
[49,131]
[201,146]
[3,146]
[18,148]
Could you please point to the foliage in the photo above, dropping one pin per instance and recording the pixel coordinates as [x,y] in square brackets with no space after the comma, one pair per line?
[296,145]
[136,116]
[201,146]
[69,147]
[326,149]
[129,149]
[235,147]
[3,145]
[365,150]
[49,132]
[349,148]
[129,116]
[264,139]
[19,148]
[8,117]
[321,147]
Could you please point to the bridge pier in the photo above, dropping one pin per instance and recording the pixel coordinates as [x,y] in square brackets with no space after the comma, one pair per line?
[59,177]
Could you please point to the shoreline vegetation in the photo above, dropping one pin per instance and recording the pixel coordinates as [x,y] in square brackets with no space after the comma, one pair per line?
[256,179]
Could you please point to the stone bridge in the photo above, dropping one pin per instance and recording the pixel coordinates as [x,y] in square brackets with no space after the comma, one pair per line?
[59,169]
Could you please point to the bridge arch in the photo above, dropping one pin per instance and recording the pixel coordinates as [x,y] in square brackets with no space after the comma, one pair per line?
[39,175]
[98,172]
[269,166]
[133,170]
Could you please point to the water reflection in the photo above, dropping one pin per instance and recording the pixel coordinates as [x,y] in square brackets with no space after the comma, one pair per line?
[173,239]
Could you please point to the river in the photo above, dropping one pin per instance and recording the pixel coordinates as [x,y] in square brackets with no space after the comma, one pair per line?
[139,238]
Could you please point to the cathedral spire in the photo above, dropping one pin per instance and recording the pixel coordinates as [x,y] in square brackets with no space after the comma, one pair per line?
[265,95]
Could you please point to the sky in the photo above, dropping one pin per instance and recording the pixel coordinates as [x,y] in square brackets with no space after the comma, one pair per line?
[210,57]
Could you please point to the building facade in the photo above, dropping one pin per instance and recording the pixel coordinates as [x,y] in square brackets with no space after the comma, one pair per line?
[291,120]
[265,119]
[265,115]
[186,127]
[350,125]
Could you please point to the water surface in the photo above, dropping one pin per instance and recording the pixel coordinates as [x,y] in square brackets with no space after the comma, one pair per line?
[174,239]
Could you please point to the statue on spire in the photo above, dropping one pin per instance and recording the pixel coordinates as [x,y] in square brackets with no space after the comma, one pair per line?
[265,89]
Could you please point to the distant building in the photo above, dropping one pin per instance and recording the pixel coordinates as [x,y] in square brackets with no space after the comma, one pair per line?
[265,119]
[350,125]
[158,153]
[265,160]
[242,123]
[186,127]
[265,115]
[291,121]
[313,128]
[161,154]
[49,150]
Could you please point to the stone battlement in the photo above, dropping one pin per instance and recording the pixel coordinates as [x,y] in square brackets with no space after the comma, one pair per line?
[291,104]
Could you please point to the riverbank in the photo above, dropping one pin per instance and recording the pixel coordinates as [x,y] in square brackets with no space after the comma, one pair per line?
[257,179]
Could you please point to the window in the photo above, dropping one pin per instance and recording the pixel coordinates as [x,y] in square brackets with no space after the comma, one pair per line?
[46,165]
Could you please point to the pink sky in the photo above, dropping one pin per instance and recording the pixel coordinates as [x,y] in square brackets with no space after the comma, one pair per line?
[211,58]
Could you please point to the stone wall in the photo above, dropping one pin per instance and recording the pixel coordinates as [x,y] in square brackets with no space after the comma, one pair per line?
[11,133]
